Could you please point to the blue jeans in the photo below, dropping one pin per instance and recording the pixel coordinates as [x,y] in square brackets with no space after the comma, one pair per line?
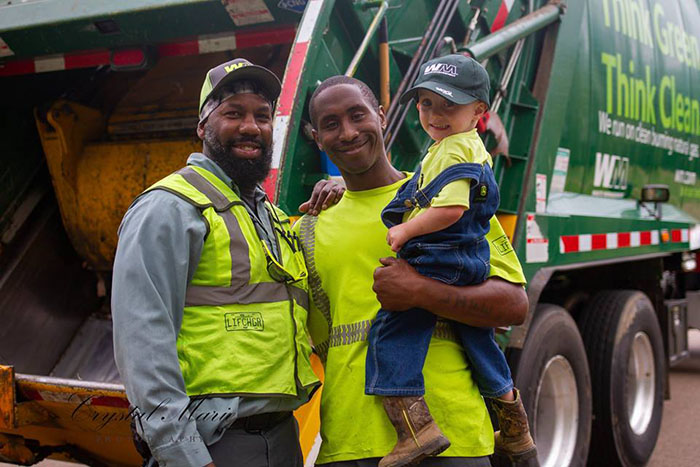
[459,255]
[398,344]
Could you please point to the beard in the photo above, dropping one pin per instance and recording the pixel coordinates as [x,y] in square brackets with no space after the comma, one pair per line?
[245,173]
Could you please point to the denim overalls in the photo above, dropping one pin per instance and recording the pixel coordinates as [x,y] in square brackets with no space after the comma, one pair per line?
[457,255]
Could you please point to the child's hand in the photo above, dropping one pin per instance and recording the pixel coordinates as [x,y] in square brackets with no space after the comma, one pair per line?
[396,237]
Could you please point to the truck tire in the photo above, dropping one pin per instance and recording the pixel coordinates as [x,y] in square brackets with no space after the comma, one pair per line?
[625,353]
[554,383]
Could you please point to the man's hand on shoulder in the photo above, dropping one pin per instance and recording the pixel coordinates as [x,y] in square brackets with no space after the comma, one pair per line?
[325,194]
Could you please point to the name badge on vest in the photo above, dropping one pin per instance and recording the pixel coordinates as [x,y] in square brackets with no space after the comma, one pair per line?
[244,321]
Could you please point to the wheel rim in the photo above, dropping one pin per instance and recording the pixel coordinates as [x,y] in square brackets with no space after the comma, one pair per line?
[556,413]
[641,376]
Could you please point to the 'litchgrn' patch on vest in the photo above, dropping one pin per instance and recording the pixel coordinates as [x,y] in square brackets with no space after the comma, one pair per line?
[243,321]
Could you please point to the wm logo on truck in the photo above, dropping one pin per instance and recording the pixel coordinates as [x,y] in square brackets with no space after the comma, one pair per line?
[611,171]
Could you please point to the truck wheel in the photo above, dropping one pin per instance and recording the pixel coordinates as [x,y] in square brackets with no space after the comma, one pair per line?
[625,354]
[552,375]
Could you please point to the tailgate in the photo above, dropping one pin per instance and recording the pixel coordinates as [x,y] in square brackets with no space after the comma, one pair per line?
[63,418]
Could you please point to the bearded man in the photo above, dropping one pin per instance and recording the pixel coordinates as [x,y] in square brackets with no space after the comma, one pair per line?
[209,296]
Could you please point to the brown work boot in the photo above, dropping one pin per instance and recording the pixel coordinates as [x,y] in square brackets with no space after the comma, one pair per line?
[513,440]
[419,436]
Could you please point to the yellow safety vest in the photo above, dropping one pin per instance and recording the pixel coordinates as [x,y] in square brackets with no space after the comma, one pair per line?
[242,333]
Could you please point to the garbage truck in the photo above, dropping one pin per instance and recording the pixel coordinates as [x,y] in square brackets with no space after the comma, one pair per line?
[594,126]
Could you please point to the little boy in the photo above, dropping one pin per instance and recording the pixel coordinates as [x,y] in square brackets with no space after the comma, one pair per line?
[437,222]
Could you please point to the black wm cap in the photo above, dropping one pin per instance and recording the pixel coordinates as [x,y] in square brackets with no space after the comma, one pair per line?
[455,77]
[237,70]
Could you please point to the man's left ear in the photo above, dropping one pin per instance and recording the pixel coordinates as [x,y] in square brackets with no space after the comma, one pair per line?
[200,130]
[382,117]
[314,133]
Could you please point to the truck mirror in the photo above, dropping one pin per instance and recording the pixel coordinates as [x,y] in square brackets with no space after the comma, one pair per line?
[655,194]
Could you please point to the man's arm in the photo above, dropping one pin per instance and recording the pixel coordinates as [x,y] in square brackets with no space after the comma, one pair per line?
[160,241]
[493,303]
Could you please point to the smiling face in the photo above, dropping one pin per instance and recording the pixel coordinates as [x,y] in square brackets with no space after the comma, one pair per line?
[349,129]
[242,124]
[441,118]
[237,135]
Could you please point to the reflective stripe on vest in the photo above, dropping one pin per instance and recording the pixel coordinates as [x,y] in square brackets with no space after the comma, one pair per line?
[307,235]
[241,292]
[242,333]
[346,334]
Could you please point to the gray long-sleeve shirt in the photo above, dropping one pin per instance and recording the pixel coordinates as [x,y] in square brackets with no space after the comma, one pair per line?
[160,243]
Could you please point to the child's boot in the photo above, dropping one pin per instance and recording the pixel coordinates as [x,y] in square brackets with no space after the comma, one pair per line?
[513,440]
[418,434]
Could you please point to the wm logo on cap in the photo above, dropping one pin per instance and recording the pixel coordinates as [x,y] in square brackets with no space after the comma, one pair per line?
[442,68]
[234,66]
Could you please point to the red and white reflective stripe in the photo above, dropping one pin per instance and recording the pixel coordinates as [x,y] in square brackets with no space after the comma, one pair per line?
[679,236]
[613,241]
[49,63]
[135,56]
[290,88]
[502,15]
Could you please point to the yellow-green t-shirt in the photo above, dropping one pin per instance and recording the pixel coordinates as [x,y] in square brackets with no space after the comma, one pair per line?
[349,240]
[454,149]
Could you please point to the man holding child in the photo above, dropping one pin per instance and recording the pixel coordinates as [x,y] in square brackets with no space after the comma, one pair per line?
[343,246]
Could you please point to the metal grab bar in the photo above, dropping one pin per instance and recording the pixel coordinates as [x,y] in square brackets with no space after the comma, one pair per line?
[352,68]
[523,27]
[505,80]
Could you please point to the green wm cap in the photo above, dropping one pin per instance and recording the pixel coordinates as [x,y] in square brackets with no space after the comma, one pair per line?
[237,70]
[457,78]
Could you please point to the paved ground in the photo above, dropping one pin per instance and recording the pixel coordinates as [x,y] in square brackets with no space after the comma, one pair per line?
[679,441]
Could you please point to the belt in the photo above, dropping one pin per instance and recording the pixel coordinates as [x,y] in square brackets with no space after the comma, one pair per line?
[260,422]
